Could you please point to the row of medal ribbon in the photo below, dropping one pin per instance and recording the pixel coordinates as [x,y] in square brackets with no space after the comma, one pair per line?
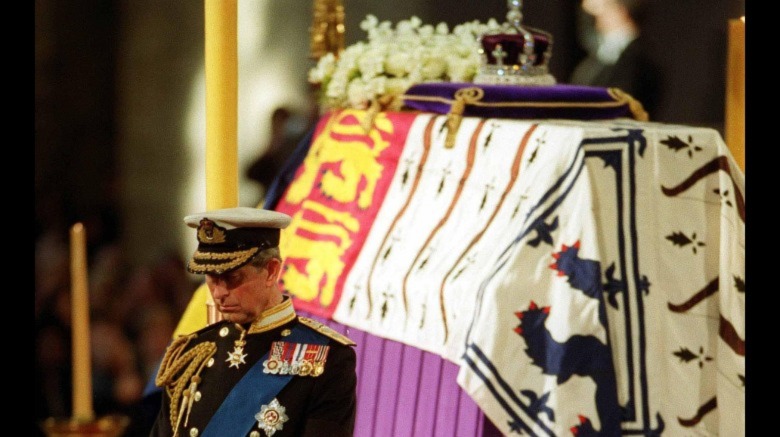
[296,359]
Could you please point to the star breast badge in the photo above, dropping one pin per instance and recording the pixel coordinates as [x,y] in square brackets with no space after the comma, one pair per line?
[236,357]
[271,417]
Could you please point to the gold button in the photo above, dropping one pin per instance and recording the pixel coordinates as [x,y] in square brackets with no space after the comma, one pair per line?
[254,434]
[194,432]
[286,332]
[197,396]
[210,363]
[224,331]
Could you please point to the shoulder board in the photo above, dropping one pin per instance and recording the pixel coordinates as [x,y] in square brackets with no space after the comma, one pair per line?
[326,331]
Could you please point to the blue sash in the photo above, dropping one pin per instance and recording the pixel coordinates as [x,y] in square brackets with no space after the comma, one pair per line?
[237,412]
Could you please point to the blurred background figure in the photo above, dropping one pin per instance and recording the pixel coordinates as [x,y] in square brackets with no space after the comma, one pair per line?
[265,167]
[288,128]
[610,31]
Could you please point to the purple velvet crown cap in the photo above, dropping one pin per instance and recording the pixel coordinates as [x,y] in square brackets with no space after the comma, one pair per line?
[515,54]
[512,46]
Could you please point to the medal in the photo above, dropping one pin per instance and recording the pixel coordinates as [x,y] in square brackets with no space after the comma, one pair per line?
[317,360]
[317,369]
[271,365]
[305,368]
[274,362]
[271,417]
[236,357]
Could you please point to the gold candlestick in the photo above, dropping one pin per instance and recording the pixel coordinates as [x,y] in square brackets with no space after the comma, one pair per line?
[106,426]
[327,29]
[82,423]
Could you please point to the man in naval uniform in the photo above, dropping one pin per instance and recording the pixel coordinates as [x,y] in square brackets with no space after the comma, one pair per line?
[262,370]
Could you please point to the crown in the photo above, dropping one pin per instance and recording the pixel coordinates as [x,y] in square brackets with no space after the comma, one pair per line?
[515,54]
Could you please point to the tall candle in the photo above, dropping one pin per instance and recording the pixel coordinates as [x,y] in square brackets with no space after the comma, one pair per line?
[735,91]
[221,104]
[221,111]
[82,372]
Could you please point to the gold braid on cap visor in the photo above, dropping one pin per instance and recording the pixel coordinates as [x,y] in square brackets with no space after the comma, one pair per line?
[234,259]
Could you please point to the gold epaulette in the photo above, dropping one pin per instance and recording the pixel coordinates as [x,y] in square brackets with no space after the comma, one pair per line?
[179,374]
[170,352]
[176,347]
[326,331]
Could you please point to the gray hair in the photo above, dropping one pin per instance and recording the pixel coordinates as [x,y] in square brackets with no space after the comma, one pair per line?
[261,258]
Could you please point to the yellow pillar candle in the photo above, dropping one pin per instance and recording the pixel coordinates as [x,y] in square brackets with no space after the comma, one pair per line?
[221,111]
[82,371]
[735,91]
[221,104]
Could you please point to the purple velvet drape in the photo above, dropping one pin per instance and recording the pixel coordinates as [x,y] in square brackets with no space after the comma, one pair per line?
[561,101]
[405,391]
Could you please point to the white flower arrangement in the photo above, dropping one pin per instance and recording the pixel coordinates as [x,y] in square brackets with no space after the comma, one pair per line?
[394,59]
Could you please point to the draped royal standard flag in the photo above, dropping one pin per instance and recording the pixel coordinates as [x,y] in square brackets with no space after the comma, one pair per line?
[444,215]
[333,199]
[618,306]
[588,277]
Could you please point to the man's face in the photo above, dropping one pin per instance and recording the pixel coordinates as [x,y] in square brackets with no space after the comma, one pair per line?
[597,7]
[242,294]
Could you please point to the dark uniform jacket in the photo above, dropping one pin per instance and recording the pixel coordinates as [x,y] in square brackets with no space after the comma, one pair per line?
[322,405]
